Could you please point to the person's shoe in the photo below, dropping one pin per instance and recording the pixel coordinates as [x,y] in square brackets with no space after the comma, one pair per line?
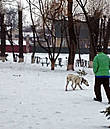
[95,99]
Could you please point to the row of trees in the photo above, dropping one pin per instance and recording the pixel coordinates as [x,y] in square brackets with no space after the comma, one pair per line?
[91,11]
[44,14]
[8,23]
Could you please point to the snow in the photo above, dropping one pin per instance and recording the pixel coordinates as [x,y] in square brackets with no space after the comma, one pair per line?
[34,97]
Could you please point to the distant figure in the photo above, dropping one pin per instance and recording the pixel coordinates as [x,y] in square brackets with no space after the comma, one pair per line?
[77,62]
[85,63]
[101,65]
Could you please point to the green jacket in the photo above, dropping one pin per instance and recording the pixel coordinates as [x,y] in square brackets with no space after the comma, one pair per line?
[101,65]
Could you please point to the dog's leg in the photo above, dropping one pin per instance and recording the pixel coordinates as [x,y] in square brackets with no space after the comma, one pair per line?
[66,85]
[75,87]
[80,87]
[72,85]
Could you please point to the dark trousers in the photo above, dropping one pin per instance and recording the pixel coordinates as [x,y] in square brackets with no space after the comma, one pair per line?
[97,87]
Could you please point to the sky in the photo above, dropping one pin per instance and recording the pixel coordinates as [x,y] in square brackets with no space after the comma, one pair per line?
[34,97]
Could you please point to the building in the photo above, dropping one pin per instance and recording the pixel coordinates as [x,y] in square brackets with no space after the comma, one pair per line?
[82,33]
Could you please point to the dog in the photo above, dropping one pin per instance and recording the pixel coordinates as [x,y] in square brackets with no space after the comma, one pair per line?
[77,80]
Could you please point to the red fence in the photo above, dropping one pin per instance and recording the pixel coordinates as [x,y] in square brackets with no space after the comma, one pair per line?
[16,48]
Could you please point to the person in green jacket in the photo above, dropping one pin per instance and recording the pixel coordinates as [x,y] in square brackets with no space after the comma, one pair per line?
[101,66]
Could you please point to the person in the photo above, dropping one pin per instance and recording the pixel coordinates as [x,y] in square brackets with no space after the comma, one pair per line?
[101,66]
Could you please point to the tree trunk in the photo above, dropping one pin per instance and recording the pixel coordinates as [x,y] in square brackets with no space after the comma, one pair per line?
[32,59]
[72,37]
[93,26]
[21,58]
[70,65]
[106,37]
[3,37]
[52,64]
[34,47]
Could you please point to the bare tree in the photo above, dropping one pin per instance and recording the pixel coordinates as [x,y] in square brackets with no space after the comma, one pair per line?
[9,14]
[50,13]
[92,16]
[11,24]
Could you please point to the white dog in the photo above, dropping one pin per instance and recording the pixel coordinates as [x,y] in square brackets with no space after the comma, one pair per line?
[77,80]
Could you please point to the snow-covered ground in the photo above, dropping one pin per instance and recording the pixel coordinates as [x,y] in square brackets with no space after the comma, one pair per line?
[34,97]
